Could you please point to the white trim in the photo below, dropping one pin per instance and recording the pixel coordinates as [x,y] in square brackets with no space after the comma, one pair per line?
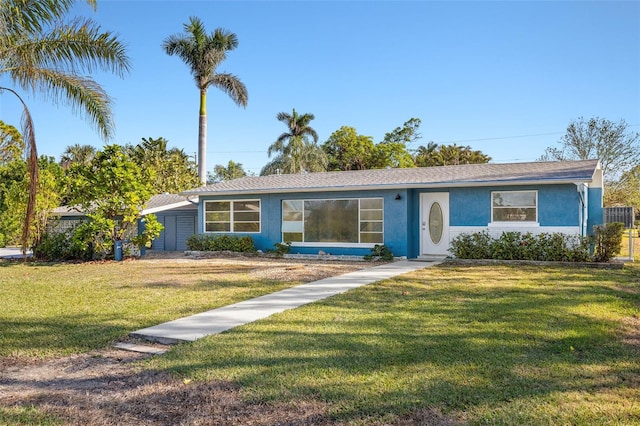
[496,230]
[427,247]
[331,244]
[379,187]
[231,221]
[521,223]
[513,224]
[169,207]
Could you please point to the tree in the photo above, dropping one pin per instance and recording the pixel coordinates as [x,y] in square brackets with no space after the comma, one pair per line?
[392,150]
[11,144]
[44,54]
[112,192]
[221,173]
[446,155]
[612,143]
[625,191]
[77,154]
[296,153]
[203,54]
[347,150]
[408,133]
[14,195]
[172,169]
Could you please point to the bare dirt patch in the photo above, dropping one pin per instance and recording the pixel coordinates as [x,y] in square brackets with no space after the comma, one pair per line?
[109,387]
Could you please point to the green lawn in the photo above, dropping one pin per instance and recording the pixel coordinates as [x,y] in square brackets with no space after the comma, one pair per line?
[482,345]
[58,309]
[476,344]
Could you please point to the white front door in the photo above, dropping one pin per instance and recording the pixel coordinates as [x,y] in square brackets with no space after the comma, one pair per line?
[434,224]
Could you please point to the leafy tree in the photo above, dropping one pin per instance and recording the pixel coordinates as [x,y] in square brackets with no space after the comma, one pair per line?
[625,191]
[612,143]
[76,153]
[296,153]
[112,192]
[408,133]
[11,144]
[172,168]
[14,197]
[392,151]
[42,53]
[347,150]
[221,173]
[444,155]
[203,53]
[391,154]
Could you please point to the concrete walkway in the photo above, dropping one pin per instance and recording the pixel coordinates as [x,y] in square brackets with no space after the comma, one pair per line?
[12,253]
[221,319]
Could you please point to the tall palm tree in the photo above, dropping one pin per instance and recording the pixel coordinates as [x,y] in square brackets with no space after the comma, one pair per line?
[203,53]
[296,153]
[43,53]
[77,154]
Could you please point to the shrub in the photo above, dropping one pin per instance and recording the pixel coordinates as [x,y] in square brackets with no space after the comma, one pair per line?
[472,246]
[607,241]
[282,248]
[379,252]
[518,246]
[57,246]
[221,243]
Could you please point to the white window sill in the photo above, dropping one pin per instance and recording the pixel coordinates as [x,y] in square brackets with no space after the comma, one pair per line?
[338,245]
[514,225]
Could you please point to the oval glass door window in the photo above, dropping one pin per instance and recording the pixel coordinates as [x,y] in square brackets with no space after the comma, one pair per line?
[435,223]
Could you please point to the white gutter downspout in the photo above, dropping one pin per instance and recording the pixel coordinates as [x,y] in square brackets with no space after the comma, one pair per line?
[584,201]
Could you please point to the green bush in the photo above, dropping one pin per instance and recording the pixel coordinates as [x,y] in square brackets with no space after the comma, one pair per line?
[607,241]
[221,243]
[379,252]
[59,246]
[519,246]
[472,245]
[282,248]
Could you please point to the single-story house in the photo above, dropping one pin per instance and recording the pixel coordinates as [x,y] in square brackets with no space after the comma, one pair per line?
[177,213]
[415,212]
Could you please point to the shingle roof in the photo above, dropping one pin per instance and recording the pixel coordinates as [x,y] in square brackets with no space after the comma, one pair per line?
[462,175]
[157,203]
[166,201]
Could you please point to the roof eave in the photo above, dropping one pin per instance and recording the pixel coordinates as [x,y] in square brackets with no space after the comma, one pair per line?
[433,185]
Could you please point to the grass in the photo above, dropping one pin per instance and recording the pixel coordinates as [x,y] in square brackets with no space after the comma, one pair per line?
[483,345]
[475,344]
[59,309]
[624,247]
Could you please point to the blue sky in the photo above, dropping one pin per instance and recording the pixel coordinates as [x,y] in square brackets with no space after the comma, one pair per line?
[503,77]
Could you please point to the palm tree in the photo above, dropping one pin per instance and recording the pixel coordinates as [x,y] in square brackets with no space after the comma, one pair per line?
[203,53]
[296,153]
[44,54]
[77,154]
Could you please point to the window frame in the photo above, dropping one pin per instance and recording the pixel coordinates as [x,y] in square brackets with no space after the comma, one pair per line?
[534,222]
[360,222]
[232,220]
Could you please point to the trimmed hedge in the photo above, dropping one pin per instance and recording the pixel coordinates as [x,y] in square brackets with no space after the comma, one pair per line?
[556,247]
[518,246]
[202,242]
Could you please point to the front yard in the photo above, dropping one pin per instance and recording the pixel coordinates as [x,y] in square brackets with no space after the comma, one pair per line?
[446,345]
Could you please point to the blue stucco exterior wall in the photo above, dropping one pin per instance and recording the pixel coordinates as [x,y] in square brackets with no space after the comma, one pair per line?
[395,220]
[558,205]
[595,212]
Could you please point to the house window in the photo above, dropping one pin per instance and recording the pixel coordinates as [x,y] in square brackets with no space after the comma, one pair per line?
[514,206]
[232,216]
[343,221]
